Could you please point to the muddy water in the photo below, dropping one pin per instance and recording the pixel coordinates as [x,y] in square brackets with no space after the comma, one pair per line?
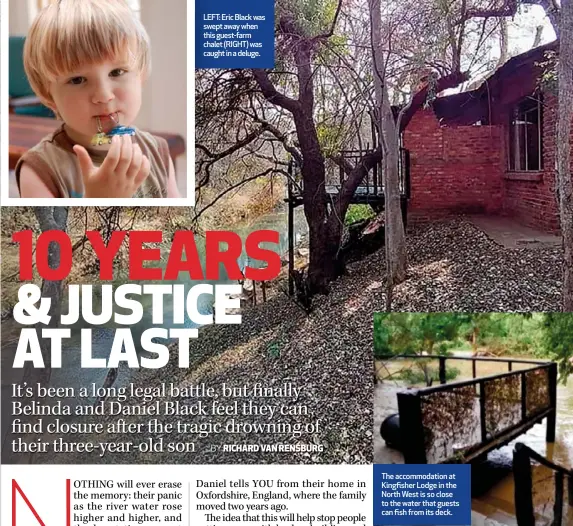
[501,494]
[493,481]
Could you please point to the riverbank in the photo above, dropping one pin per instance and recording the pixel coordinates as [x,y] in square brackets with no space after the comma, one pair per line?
[245,203]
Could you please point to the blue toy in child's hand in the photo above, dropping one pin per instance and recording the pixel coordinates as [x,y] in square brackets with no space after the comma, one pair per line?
[121,130]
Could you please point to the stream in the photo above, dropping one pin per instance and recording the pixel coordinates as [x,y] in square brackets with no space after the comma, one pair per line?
[500,495]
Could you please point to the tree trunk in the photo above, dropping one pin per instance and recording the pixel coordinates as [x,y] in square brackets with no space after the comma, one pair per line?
[396,261]
[538,35]
[503,42]
[325,265]
[565,112]
[324,237]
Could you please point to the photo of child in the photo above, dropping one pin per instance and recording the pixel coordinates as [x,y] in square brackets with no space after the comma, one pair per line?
[87,61]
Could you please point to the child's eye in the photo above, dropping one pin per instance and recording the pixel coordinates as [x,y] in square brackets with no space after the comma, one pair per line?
[117,72]
[77,80]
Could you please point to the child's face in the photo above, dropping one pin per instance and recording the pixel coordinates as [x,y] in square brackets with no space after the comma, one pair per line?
[108,90]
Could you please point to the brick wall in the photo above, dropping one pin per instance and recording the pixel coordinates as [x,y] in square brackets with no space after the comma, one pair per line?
[530,197]
[453,169]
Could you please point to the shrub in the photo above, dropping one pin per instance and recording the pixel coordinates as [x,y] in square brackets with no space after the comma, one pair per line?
[357,213]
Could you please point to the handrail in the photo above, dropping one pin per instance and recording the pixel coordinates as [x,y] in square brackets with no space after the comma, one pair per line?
[410,406]
[542,460]
[472,358]
[523,483]
[376,180]
[475,381]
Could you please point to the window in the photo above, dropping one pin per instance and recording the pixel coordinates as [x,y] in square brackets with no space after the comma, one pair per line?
[525,134]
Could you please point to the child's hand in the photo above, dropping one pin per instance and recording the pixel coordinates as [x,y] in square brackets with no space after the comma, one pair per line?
[121,173]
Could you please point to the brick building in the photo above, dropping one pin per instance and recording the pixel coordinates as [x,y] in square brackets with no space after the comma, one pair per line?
[490,150]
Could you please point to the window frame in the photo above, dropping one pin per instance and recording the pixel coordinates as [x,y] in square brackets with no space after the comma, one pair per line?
[519,115]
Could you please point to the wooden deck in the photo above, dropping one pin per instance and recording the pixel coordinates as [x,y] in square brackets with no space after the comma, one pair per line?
[370,192]
[489,411]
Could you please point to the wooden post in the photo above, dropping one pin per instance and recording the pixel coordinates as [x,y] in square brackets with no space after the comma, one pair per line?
[523,486]
[474,373]
[254,293]
[523,396]
[264,289]
[510,366]
[442,369]
[411,427]
[404,204]
[482,418]
[290,231]
[551,418]
[558,506]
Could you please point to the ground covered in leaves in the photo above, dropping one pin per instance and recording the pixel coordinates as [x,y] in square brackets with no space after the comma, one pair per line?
[453,267]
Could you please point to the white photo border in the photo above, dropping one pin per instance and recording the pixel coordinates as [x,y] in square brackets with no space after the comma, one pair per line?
[6,200]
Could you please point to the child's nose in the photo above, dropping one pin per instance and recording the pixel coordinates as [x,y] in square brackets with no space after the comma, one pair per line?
[102,94]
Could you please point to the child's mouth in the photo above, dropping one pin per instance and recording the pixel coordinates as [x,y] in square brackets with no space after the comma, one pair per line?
[109,116]
[107,121]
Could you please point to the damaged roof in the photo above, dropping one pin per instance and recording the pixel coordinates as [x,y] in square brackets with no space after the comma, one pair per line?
[472,106]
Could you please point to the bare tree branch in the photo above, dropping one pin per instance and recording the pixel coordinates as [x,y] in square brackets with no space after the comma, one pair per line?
[333,25]
[272,95]
[508,8]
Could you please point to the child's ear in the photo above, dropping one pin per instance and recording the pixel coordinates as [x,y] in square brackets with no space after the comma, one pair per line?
[53,107]
[49,103]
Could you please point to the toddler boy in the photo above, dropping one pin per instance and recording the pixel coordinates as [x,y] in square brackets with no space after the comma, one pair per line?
[87,60]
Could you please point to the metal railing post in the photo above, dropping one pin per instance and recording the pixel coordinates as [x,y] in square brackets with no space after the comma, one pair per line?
[411,427]
[482,418]
[558,505]
[290,229]
[442,369]
[523,487]
[551,418]
[523,396]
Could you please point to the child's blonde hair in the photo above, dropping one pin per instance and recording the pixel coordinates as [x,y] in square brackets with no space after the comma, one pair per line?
[68,34]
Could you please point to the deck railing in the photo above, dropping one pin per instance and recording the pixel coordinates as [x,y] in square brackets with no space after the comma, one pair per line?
[371,187]
[559,483]
[463,420]
[373,183]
